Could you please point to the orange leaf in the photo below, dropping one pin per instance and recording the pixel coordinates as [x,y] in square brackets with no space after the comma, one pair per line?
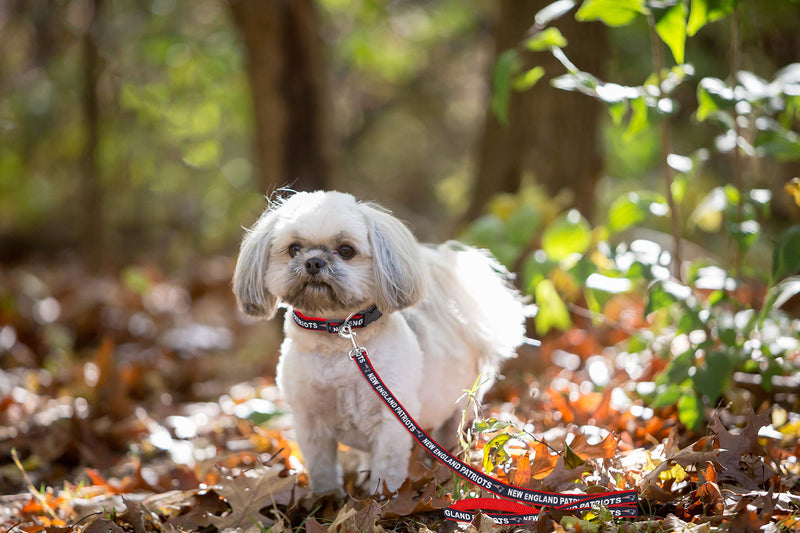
[543,461]
[523,473]
[605,449]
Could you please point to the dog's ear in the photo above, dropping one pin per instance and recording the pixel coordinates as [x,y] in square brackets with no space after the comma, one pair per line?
[249,278]
[396,260]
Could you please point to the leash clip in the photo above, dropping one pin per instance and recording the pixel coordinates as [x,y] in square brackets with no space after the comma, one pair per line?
[346,332]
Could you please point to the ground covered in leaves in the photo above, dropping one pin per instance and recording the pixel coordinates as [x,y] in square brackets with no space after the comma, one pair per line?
[140,403]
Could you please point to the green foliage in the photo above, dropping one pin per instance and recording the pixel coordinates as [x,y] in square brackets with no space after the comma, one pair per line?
[568,234]
[611,12]
[699,325]
[507,65]
[671,27]
[546,40]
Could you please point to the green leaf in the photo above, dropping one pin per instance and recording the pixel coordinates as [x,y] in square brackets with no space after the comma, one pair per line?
[712,377]
[669,396]
[552,311]
[568,234]
[546,39]
[489,425]
[639,121]
[678,369]
[618,110]
[786,254]
[784,291]
[662,294]
[690,411]
[525,81]
[494,452]
[633,208]
[202,154]
[707,11]
[507,65]
[486,230]
[774,140]
[611,12]
[671,27]
[522,224]
[745,233]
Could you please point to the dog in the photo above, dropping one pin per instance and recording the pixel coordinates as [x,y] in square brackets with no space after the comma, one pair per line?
[432,317]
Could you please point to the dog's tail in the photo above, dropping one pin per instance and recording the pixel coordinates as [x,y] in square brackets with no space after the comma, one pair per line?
[480,296]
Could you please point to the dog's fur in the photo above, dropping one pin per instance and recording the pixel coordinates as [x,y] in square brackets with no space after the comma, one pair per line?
[449,315]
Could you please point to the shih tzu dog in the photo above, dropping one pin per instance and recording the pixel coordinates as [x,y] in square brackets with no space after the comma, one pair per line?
[433,319]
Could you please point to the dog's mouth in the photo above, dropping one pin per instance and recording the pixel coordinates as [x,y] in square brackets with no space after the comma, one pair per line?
[317,285]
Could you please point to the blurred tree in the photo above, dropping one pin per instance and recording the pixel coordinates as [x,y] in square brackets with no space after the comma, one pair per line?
[550,134]
[285,66]
[93,223]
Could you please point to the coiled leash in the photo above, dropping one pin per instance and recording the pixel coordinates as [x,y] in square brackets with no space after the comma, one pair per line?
[516,505]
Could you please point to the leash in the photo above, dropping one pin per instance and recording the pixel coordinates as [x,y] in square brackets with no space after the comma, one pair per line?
[510,508]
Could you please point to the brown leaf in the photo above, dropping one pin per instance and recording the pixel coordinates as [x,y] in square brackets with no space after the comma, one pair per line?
[102,525]
[409,502]
[695,454]
[247,494]
[522,474]
[543,461]
[604,449]
[571,459]
[562,474]
[746,521]
[741,455]
[313,526]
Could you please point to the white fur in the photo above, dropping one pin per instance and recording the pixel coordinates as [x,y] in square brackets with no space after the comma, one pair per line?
[449,315]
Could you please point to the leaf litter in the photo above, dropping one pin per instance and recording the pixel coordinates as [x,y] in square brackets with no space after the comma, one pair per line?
[127,404]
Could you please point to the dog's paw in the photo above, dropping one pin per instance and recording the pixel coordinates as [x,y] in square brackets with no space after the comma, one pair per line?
[387,483]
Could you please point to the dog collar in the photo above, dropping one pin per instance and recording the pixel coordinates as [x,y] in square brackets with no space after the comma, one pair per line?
[359,320]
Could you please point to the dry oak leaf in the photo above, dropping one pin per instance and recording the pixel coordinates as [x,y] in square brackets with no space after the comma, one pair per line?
[247,494]
[407,503]
[695,454]
[741,456]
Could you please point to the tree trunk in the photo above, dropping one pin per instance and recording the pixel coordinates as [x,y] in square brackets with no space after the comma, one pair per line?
[92,236]
[551,134]
[293,142]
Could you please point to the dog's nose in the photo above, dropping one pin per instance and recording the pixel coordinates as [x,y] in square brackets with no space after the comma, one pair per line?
[314,265]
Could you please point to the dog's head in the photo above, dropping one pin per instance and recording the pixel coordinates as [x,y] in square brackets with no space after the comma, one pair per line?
[325,253]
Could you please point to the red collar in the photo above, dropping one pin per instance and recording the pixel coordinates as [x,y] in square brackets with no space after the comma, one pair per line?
[359,320]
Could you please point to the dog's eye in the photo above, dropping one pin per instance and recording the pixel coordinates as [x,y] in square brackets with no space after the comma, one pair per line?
[294,249]
[346,251]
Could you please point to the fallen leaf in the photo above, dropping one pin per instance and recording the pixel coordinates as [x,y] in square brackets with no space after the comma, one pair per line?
[543,461]
[741,455]
[522,473]
[247,494]
[604,449]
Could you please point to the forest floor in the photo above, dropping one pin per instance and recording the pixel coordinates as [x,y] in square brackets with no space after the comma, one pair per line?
[142,402]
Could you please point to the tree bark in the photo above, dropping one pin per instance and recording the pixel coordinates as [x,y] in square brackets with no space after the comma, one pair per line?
[551,134]
[92,235]
[291,109]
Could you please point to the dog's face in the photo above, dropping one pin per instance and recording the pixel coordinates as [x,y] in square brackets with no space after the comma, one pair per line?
[323,253]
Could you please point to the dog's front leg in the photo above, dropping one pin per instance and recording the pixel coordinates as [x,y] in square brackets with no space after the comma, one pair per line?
[319,447]
[390,454]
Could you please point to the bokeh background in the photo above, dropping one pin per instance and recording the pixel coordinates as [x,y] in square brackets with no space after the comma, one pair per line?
[138,129]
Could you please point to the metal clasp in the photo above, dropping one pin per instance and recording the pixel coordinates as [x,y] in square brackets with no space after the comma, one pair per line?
[346,332]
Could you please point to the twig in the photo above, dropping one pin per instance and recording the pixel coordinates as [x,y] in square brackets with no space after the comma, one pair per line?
[35,493]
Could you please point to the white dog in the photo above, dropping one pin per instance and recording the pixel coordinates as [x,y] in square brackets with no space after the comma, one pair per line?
[432,318]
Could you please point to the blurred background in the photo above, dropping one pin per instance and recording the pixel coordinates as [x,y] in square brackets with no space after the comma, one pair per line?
[138,138]
[153,129]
